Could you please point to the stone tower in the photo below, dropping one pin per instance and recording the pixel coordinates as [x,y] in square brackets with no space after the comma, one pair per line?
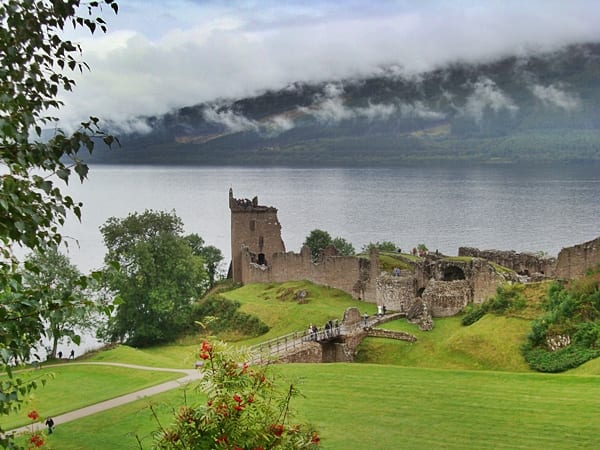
[255,227]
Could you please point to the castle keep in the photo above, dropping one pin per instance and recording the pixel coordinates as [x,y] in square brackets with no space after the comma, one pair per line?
[435,285]
[255,235]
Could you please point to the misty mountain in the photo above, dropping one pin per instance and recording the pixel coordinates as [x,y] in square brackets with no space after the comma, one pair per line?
[543,107]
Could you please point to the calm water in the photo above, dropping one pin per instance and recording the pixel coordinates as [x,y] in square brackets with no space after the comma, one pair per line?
[509,208]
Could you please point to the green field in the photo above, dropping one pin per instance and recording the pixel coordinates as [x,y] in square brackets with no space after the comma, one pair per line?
[364,406]
[455,388]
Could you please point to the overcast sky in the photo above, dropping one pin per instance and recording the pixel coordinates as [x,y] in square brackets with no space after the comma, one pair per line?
[162,54]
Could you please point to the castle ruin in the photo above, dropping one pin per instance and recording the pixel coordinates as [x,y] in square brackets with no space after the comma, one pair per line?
[436,285]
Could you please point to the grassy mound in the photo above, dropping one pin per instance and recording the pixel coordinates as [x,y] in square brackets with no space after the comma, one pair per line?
[490,344]
[282,309]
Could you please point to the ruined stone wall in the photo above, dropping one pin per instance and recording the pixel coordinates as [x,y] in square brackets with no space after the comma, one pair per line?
[446,298]
[389,334]
[484,281]
[257,228]
[522,263]
[396,293]
[341,272]
[574,262]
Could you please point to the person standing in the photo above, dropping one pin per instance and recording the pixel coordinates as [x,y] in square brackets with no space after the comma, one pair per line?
[50,425]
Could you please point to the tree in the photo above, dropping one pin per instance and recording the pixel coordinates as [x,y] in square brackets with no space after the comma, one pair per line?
[245,409]
[343,247]
[35,65]
[158,279]
[210,254]
[317,240]
[64,279]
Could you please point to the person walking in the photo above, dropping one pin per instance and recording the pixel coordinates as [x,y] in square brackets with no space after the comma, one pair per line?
[50,425]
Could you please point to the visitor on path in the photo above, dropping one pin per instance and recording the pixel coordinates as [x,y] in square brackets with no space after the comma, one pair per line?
[50,425]
[59,355]
[327,330]
[365,318]
[384,309]
[379,311]
[72,354]
[337,327]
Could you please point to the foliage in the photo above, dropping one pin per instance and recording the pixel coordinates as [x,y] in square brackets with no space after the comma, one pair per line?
[472,314]
[384,246]
[226,316]
[245,409]
[343,247]
[54,269]
[559,360]
[210,254]
[35,65]
[318,240]
[159,277]
[508,298]
[573,313]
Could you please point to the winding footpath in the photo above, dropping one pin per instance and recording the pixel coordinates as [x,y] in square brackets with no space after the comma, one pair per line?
[189,375]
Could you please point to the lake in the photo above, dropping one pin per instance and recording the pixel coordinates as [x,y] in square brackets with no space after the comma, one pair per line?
[507,207]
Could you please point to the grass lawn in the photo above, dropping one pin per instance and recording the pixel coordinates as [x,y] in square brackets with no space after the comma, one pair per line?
[365,406]
[73,386]
[172,356]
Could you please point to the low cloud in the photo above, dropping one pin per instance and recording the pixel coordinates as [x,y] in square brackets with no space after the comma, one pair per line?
[556,96]
[230,120]
[487,96]
[420,111]
[159,56]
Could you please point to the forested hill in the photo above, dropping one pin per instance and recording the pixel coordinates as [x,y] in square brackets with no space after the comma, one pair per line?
[523,108]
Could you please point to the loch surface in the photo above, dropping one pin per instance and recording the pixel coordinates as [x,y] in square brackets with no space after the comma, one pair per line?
[507,207]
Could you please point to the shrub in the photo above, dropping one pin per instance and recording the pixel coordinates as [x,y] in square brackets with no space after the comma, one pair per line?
[472,315]
[508,298]
[573,310]
[559,360]
[384,246]
[225,316]
[245,409]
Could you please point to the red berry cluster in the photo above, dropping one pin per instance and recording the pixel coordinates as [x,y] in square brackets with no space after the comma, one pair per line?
[205,350]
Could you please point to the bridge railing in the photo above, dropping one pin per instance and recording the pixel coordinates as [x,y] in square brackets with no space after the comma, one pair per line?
[281,345]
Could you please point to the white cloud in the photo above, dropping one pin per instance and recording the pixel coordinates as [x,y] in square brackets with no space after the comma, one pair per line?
[486,95]
[232,121]
[159,55]
[420,111]
[555,96]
